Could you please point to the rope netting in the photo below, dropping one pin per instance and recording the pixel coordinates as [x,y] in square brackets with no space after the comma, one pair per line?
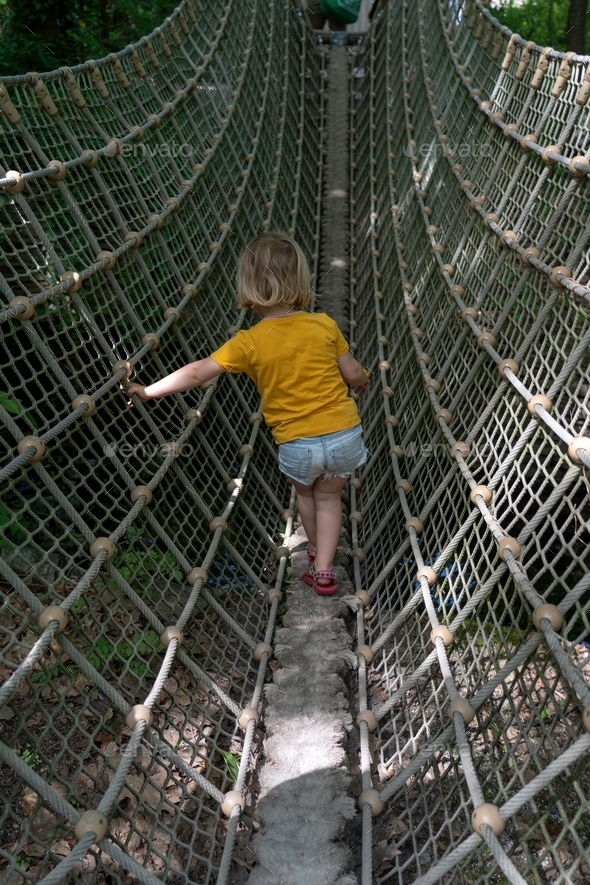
[144,550]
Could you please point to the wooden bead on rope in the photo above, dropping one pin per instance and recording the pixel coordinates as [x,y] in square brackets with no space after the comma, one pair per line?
[462,706]
[550,613]
[91,158]
[563,271]
[508,364]
[427,572]
[539,399]
[111,259]
[60,174]
[261,649]
[94,822]
[138,713]
[19,182]
[157,218]
[232,799]
[441,632]
[34,441]
[151,337]
[414,523]
[72,275]
[122,364]
[53,613]
[579,442]
[140,491]
[527,140]
[506,243]
[527,254]
[84,399]
[364,598]
[573,170]
[366,652]
[113,147]
[133,235]
[368,717]
[102,544]
[371,797]
[445,415]
[508,544]
[170,448]
[551,148]
[483,492]
[218,523]
[194,415]
[196,574]
[169,634]
[488,814]
[486,336]
[247,714]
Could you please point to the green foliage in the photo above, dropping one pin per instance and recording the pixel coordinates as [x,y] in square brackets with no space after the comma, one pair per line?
[13,532]
[232,763]
[13,407]
[31,759]
[41,35]
[138,565]
[143,643]
[543,21]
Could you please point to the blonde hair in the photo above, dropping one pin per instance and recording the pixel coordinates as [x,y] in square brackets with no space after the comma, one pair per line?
[273,270]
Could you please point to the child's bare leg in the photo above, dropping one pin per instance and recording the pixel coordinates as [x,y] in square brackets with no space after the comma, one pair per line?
[327,497]
[306,508]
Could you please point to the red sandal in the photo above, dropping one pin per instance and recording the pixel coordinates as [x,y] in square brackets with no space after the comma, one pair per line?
[311,577]
[311,554]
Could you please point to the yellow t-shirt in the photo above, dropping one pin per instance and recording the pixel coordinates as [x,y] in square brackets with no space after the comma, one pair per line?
[293,362]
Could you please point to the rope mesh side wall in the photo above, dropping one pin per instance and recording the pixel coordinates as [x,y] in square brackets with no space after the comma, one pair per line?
[131,256]
[475,503]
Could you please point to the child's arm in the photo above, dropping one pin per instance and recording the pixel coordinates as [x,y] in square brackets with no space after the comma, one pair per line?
[353,373]
[183,379]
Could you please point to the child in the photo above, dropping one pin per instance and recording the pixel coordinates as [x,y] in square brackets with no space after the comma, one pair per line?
[301,365]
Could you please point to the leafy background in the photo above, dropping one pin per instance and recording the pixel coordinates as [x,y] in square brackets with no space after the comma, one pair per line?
[41,35]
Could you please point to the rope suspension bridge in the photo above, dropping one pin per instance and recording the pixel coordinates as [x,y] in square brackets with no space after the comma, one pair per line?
[435,174]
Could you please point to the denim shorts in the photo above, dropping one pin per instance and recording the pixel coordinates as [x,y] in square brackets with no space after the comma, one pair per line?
[333,454]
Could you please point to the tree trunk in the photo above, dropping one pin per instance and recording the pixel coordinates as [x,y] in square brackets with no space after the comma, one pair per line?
[576,26]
